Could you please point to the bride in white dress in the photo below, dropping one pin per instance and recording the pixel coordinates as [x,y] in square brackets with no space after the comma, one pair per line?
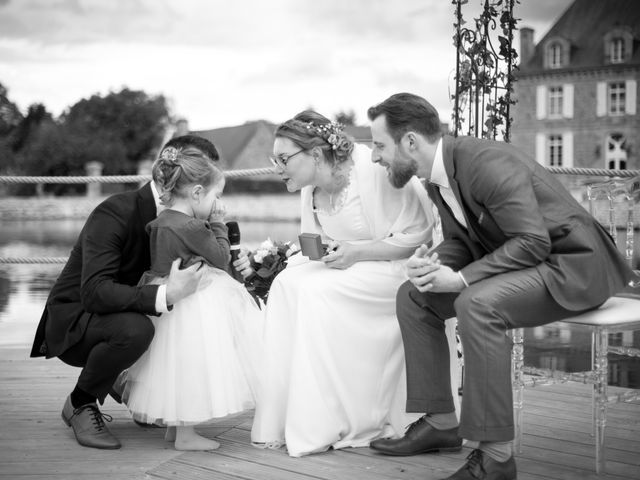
[334,373]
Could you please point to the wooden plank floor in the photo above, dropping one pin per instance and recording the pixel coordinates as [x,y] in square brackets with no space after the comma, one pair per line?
[35,444]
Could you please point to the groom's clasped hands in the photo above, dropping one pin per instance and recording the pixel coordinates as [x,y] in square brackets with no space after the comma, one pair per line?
[427,274]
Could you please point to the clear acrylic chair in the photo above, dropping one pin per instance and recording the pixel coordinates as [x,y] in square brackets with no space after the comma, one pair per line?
[621,201]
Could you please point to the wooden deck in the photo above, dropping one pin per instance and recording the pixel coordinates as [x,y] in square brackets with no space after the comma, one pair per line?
[35,444]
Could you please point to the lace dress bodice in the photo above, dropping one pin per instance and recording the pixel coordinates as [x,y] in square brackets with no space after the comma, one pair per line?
[348,222]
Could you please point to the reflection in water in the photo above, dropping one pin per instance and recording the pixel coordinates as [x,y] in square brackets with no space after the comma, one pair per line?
[5,285]
[568,348]
[24,289]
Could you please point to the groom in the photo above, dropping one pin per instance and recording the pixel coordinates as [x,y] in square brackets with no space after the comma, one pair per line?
[518,251]
[96,314]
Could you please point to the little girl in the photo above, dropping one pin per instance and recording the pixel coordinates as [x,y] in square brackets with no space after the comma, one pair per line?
[198,366]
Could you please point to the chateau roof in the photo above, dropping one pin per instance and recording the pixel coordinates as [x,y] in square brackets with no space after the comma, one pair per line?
[584,25]
[231,141]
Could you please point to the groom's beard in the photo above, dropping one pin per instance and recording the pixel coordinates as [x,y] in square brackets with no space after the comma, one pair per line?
[402,169]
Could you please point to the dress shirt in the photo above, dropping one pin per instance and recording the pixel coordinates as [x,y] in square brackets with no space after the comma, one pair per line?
[439,178]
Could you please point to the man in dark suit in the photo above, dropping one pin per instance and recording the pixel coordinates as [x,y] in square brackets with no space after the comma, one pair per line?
[96,314]
[518,251]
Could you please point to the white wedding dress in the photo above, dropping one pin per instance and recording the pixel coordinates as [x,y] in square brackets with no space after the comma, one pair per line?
[334,373]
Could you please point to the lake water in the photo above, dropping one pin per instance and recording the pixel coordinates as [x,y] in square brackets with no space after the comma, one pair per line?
[24,289]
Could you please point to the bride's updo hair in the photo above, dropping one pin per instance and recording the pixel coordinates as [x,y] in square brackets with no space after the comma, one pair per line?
[309,129]
[176,169]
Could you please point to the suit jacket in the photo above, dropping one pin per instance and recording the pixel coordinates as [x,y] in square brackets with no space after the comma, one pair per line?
[102,273]
[519,216]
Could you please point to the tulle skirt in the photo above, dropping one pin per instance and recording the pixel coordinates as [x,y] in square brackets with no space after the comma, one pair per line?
[202,363]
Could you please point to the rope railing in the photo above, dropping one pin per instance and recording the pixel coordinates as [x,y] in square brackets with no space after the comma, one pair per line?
[229,174]
[32,260]
[596,172]
[118,178]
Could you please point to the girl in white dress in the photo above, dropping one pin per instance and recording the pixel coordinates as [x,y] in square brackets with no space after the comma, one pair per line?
[334,362]
[198,365]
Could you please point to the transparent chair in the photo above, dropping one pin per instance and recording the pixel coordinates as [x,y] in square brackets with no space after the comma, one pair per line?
[621,202]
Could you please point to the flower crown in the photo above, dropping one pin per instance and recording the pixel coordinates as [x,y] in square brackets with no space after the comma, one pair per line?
[170,154]
[328,131]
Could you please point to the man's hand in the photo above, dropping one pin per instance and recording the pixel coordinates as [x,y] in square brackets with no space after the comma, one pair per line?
[182,283]
[427,274]
[242,264]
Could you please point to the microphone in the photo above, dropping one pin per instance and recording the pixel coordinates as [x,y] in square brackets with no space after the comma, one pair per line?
[234,240]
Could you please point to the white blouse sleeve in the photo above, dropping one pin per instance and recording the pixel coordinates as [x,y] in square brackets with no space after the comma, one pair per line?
[399,216]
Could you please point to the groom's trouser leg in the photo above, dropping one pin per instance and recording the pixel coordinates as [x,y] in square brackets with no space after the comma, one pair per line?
[111,344]
[421,317]
[485,311]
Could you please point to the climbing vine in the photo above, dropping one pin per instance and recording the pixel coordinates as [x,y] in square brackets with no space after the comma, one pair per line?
[485,74]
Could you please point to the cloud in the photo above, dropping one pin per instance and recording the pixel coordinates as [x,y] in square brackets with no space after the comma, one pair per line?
[189,22]
[221,62]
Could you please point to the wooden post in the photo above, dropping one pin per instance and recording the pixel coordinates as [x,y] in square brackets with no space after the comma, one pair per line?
[144,168]
[94,169]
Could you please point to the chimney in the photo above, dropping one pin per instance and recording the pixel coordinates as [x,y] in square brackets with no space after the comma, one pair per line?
[526,45]
[182,127]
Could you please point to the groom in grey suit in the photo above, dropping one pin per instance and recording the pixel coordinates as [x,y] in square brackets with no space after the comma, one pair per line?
[518,251]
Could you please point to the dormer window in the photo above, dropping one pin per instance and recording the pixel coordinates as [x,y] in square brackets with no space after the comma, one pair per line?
[555,55]
[617,50]
[618,45]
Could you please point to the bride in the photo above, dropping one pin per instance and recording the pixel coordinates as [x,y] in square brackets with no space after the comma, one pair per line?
[334,362]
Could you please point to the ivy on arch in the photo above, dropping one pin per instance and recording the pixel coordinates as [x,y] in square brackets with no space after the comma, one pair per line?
[485,73]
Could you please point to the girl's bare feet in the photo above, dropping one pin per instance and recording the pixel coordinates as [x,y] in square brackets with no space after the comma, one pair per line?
[188,439]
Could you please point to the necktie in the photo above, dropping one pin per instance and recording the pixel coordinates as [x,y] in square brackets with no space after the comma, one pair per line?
[450,201]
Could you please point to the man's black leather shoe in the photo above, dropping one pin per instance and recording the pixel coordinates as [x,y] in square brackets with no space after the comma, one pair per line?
[482,467]
[88,425]
[420,438]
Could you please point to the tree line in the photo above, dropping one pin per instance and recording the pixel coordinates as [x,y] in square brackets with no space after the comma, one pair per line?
[118,129]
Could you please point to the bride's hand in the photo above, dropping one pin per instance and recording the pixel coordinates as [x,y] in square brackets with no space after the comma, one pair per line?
[340,255]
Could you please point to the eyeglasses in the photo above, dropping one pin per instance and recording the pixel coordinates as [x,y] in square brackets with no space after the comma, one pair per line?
[281,161]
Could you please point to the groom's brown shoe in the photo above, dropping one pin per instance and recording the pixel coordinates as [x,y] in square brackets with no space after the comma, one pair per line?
[481,466]
[420,438]
[88,425]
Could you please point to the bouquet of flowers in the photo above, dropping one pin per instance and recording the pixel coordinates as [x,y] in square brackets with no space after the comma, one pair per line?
[267,261]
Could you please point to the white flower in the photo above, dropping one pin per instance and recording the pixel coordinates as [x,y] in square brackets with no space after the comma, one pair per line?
[266,245]
[170,154]
[293,248]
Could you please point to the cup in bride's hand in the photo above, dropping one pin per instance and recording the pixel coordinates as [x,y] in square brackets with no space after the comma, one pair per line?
[312,246]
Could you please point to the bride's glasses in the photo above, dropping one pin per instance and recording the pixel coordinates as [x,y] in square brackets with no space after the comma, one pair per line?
[282,160]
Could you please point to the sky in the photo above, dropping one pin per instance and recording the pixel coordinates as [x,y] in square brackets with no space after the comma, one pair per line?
[225,62]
